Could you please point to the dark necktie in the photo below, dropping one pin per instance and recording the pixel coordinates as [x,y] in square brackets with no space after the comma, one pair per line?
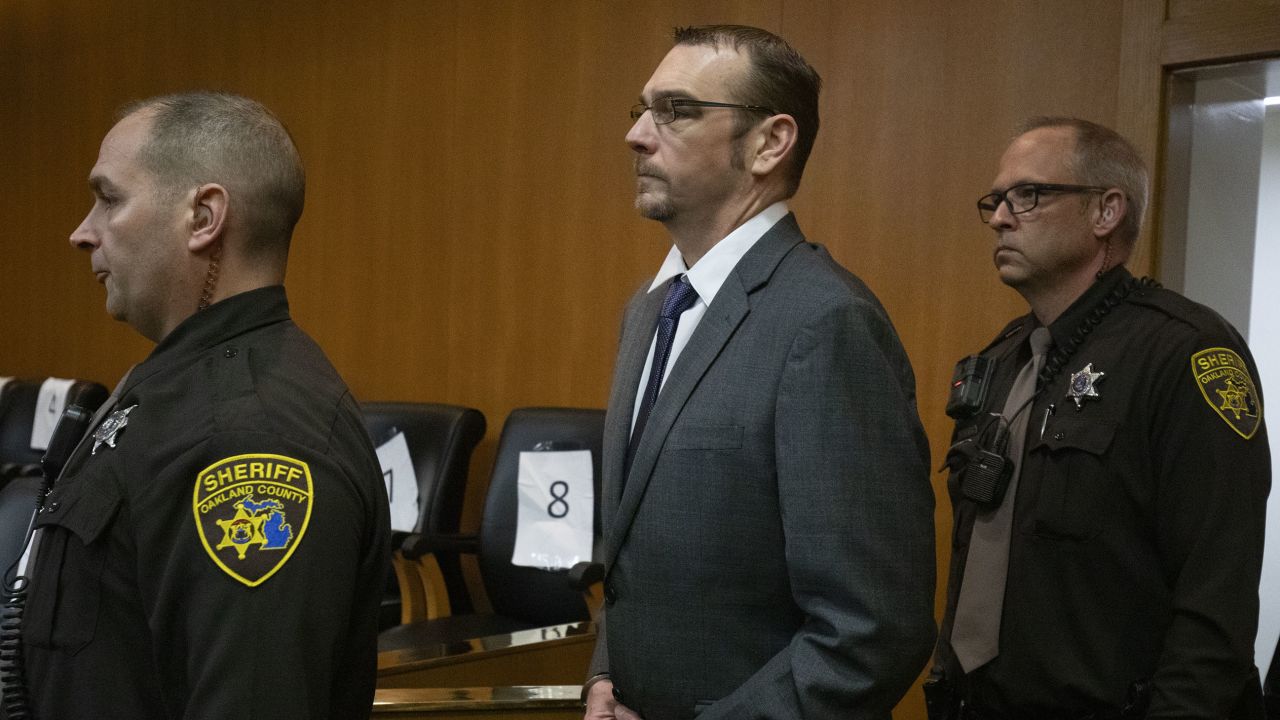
[975,632]
[680,297]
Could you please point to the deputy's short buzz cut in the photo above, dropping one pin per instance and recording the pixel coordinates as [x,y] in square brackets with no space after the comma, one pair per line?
[779,78]
[1103,157]
[215,137]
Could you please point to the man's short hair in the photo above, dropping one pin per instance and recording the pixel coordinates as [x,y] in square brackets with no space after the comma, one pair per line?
[778,78]
[214,137]
[1103,157]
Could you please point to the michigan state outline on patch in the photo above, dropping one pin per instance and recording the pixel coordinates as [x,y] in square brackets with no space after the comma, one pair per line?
[252,512]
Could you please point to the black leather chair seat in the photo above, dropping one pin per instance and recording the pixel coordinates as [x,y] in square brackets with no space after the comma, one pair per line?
[448,630]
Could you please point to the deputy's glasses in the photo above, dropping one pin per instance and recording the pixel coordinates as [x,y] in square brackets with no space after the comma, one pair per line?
[665,110]
[1024,198]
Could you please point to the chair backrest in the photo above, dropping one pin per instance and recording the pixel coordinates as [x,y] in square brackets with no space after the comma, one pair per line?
[441,439]
[531,594]
[17,413]
[20,478]
[17,505]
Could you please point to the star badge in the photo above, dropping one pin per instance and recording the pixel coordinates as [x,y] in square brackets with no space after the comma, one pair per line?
[110,428]
[1083,384]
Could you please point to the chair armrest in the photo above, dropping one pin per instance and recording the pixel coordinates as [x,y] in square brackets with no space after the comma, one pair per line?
[588,579]
[585,574]
[423,593]
[415,545]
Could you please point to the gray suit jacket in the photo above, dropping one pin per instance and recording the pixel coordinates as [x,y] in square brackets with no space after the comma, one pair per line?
[772,553]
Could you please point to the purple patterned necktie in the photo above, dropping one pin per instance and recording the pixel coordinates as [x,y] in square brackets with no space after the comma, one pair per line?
[680,297]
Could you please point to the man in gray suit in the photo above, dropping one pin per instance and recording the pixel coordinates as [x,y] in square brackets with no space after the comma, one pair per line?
[767,512]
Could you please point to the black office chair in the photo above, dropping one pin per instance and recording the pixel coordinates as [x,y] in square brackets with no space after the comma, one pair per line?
[20,474]
[17,412]
[521,597]
[441,439]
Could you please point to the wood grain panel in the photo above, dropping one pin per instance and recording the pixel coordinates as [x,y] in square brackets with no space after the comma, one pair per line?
[1178,9]
[469,236]
[1139,110]
[1233,31]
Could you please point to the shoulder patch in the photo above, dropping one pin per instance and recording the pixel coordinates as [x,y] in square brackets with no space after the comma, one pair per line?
[1224,381]
[252,512]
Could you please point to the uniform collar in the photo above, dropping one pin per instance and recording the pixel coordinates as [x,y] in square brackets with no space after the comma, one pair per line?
[214,325]
[1066,324]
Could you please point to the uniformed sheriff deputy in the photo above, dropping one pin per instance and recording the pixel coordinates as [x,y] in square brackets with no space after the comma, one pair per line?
[217,545]
[1109,467]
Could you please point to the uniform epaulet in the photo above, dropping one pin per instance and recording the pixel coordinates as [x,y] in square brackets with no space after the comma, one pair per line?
[1177,307]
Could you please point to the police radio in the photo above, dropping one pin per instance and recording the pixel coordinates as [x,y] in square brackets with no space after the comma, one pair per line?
[986,476]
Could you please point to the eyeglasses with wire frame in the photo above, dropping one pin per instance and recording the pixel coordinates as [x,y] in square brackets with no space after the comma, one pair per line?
[1026,196]
[664,109]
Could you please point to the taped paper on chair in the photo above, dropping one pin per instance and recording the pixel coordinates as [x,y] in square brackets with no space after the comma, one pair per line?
[50,403]
[402,482]
[556,509]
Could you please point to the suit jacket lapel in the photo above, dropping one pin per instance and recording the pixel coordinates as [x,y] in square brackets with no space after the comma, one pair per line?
[637,334]
[726,312]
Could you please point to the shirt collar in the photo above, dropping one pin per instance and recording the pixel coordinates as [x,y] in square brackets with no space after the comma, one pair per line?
[1070,319]
[214,325]
[708,274]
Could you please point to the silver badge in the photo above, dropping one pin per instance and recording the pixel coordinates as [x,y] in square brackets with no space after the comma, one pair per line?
[107,431]
[1083,384]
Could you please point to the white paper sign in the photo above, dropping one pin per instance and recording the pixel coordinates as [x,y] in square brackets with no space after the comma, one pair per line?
[4,381]
[50,403]
[556,509]
[402,482]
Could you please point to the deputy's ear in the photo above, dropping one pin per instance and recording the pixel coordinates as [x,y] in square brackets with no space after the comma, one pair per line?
[208,217]
[774,141]
[1111,211]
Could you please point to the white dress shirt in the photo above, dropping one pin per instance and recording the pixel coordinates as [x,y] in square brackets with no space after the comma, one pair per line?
[706,276]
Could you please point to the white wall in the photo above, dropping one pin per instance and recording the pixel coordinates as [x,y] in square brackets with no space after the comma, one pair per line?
[1222,246]
[1226,135]
[1264,341]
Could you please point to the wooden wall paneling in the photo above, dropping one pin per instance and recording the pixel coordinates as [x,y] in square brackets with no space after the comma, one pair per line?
[372,108]
[1221,32]
[1178,9]
[43,123]
[1139,109]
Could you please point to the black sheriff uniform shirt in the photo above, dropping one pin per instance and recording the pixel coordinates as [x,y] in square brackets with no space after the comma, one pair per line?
[1138,523]
[226,557]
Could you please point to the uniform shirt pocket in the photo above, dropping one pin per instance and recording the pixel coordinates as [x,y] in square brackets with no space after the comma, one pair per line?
[1067,471]
[66,586]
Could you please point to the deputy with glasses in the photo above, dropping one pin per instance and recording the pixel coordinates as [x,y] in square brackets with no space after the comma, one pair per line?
[767,512]
[1109,467]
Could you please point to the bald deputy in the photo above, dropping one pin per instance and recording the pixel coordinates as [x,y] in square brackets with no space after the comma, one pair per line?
[217,546]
